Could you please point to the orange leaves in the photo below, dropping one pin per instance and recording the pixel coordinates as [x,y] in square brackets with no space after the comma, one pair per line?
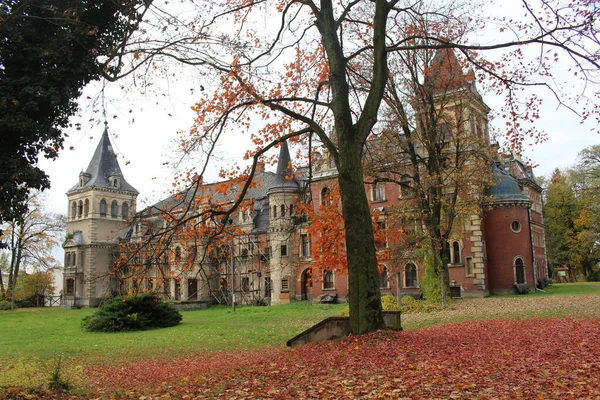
[458,360]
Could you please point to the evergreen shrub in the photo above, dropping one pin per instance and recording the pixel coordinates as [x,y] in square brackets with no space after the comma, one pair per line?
[135,313]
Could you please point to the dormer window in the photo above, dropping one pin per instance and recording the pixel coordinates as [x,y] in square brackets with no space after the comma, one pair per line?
[84,177]
[114,180]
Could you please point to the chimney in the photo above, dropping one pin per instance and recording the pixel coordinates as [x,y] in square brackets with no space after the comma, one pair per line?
[260,167]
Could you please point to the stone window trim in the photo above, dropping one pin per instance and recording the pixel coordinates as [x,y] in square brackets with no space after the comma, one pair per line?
[328,280]
[518,266]
[515,226]
[411,276]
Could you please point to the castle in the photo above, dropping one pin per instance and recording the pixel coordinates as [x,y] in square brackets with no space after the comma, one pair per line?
[498,248]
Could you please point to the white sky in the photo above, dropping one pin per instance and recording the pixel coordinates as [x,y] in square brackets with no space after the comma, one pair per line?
[144,145]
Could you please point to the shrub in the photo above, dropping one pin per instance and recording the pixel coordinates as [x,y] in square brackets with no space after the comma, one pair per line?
[410,305]
[388,303]
[4,305]
[140,312]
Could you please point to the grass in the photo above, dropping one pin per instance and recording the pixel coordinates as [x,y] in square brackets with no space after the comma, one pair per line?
[43,332]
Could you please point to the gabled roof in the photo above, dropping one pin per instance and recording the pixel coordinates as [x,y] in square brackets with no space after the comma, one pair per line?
[103,165]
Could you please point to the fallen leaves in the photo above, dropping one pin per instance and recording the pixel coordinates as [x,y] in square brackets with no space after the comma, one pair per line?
[493,359]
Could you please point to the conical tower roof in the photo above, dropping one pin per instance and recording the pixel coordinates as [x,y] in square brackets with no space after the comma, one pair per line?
[285,175]
[103,165]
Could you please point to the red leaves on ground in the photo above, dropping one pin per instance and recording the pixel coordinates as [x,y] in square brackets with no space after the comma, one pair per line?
[521,358]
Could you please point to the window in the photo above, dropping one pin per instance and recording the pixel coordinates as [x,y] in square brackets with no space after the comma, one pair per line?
[283,250]
[67,259]
[86,207]
[410,276]
[125,210]
[405,186]
[274,211]
[291,210]
[177,254]
[285,285]
[519,270]
[283,210]
[192,289]
[382,243]
[73,210]
[268,252]
[267,286]
[80,209]
[456,253]
[468,266]
[244,253]
[378,191]
[245,284]
[328,281]
[383,279]
[103,208]
[70,283]
[246,215]
[325,197]
[74,259]
[305,249]
[114,209]
[515,226]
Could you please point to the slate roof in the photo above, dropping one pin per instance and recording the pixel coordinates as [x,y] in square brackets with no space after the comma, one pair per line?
[506,189]
[263,184]
[103,165]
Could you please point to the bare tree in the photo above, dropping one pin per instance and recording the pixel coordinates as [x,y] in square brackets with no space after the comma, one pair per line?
[31,240]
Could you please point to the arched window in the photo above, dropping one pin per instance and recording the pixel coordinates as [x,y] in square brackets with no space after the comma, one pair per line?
[74,210]
[410,275]
[177,254]
[325,197]
[114,209]
[274,211]
[519,270]
[125,210]
[115,183]
[74,259]
[103,208]
[86,207]
[291,210]
[383,279]
[80,209]
[456,253]
[328,280]
[283,210]
[68,260]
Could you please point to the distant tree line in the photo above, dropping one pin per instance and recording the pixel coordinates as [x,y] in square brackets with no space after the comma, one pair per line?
[572,217]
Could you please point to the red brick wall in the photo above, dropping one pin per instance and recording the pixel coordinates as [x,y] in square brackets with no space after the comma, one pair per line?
[503,245]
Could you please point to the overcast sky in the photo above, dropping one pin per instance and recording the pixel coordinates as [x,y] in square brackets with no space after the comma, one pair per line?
[144,128]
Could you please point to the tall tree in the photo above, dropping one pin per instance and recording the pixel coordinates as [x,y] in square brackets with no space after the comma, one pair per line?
[560,212]
[49,50]
[321,69]
[31,239]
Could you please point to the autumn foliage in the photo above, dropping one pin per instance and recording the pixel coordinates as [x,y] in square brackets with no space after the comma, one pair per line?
[495,359]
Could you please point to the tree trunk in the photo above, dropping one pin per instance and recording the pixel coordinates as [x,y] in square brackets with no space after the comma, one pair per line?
[364,296]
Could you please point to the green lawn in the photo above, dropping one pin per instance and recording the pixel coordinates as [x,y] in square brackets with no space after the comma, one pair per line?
[43,332]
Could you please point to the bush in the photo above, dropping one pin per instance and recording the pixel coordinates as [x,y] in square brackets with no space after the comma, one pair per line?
[141,312]
[410,305]
[388,303]
[4,305]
